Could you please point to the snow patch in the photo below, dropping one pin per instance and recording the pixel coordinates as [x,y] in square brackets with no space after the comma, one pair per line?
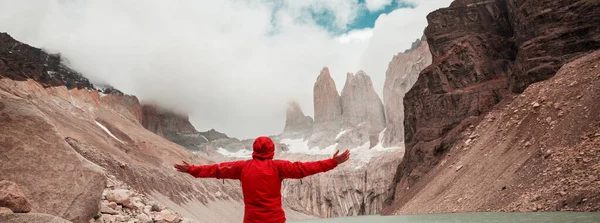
[300,146]
[362,152]
[381,135]
[341,134]
[204,138]
[242,153]
[108,132]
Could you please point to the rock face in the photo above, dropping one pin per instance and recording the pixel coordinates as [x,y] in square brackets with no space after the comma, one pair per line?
[174,127]
[32,218]
[549,34]
[13,198]
[72,184]
[362,112]
[472,59]
[360,103]
[350,120]
[296,122]
[213,135]
[401,75]
[475,63]
[328,111]
[20,61]
[327,103]
[537,151]
[351,189]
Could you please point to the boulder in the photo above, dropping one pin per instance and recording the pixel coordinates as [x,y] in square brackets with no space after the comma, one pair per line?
[143,218]
[119,196]
[108,210]
[32,218]
[166,216]
[5,210]
[13,198]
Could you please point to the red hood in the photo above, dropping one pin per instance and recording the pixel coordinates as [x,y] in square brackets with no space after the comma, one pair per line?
[264,148]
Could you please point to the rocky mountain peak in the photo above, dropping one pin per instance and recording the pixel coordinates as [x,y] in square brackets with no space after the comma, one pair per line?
[401,75]
[360,102]
[19,61]
[296,121]
[327,104]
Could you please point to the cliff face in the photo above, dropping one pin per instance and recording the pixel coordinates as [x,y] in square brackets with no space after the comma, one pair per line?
[174,127]
[352,189]
[480,52]
[327,103]
[549,34]
[467,78]
[360,103]
[538,151]
[350,120]
[401,75]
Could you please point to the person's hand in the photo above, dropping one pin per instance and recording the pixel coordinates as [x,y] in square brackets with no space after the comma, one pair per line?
[182,167]
[341,158]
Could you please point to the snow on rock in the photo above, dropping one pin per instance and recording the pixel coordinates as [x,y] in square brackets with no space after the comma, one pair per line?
[341,134]
[108,132]
[361,153]
[242,153]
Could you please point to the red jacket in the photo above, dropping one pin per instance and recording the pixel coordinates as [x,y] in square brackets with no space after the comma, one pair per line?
[261,179]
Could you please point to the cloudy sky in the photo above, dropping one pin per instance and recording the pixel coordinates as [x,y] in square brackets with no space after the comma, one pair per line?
[230,64]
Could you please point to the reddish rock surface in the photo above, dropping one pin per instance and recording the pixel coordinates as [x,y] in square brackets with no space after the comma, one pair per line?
[467,78]
[13,198]
[34,153]
[549,34]
[538,151]
[32,218]
[481,50]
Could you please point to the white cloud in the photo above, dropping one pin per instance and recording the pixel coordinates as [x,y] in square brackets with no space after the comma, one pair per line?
[356,36]
[376,5]
[232,65]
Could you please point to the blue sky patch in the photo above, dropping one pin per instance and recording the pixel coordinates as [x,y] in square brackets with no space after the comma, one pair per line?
[366,18]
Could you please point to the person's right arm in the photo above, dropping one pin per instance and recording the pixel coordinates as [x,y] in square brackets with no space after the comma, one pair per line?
[225,170]
[297,170]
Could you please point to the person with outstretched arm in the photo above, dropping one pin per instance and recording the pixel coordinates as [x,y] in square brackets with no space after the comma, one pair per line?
[261,178]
